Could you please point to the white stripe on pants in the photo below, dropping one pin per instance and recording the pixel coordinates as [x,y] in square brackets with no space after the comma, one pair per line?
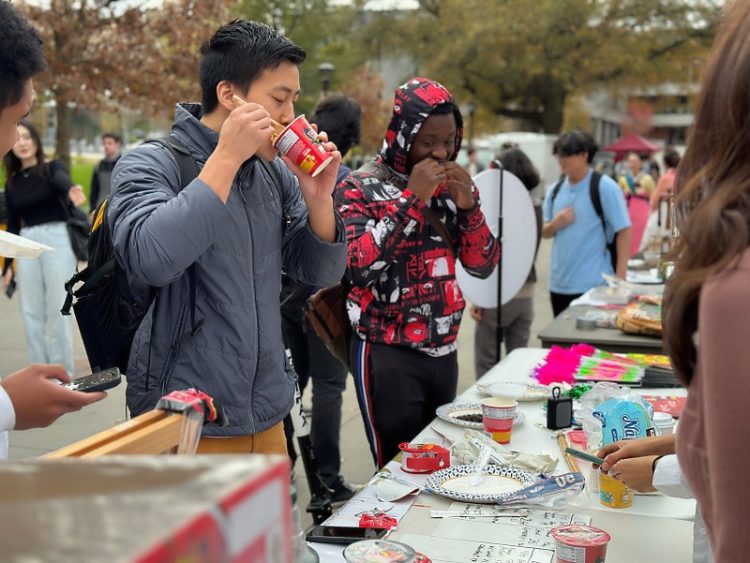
[41,288]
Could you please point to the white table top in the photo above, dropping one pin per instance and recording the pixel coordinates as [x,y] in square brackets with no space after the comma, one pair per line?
[638,533]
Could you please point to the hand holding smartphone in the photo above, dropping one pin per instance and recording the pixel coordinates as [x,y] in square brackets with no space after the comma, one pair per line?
[100,381]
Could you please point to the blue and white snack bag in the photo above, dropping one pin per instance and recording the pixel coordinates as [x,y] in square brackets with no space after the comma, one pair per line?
[625,419]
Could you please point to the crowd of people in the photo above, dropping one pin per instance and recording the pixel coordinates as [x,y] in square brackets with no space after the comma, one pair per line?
[260,235]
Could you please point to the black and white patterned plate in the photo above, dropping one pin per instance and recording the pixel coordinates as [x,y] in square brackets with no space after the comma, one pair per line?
[453,411]
[497,483]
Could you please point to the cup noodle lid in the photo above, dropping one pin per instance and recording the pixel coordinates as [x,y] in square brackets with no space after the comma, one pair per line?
[580,535]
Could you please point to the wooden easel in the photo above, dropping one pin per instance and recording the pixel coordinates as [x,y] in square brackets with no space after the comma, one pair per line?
[154,432]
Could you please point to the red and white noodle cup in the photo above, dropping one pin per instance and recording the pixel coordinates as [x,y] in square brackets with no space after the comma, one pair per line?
[579,543]
[423,458]
[300,142]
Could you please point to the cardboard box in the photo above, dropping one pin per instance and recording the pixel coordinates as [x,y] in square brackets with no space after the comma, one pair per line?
[147,509]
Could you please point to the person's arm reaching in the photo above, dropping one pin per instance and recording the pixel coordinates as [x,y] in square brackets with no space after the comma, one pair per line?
[38,401]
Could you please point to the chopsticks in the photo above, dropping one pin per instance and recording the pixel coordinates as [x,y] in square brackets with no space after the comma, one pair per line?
[562,441]
[276,125]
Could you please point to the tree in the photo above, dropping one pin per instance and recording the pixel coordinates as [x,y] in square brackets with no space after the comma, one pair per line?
[329,33]
[524,58]
[110,54]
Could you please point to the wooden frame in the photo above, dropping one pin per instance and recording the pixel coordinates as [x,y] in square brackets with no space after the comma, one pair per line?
[154,432]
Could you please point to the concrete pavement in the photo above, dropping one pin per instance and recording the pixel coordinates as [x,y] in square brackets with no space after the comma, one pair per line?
[357,464]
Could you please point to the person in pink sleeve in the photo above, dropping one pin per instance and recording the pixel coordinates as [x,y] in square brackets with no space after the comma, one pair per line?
[707,304]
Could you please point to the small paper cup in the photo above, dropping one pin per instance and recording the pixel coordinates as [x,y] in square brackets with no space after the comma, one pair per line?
[497,417]
[613,492]
[299,141]
[578,543]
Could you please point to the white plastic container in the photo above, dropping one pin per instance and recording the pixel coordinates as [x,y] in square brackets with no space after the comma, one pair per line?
[664,423]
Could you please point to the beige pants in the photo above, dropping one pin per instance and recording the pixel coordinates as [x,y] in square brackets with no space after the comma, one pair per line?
[271,441]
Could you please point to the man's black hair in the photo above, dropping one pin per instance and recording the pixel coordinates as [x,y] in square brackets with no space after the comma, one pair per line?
[671,158]
[21,54]
[340,116]
[448,108]
[239,52]
[114,136]
[575,142]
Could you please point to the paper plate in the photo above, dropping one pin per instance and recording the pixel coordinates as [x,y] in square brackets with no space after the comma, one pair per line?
[517,391]
[498,482]
[454,413]
[13,246]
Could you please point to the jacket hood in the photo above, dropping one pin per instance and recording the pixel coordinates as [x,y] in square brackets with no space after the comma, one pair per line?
[413,104]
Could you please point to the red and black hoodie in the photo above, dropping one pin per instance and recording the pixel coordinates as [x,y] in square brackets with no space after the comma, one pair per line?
[404,290]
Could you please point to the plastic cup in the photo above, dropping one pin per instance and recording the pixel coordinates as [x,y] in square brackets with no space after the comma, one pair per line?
[578,543]
[299,141]
[497,417]
[613,492]
[664,423]
[379,551]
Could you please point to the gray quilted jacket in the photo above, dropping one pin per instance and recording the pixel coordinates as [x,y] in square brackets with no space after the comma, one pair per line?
[236,355]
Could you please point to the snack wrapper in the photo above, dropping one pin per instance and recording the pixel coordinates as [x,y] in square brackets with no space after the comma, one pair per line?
[625,419]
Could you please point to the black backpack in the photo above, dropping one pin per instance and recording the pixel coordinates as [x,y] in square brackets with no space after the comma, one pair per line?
[107,308]
[596,201]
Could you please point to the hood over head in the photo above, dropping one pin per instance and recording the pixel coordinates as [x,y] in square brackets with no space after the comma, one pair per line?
[413,104]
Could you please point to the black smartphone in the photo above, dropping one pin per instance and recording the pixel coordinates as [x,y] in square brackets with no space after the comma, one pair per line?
[586,456]
[99,381]
[344,535]
[11,289]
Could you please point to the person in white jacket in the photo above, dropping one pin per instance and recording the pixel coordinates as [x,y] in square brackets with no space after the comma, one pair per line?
[650,464]
[29,398]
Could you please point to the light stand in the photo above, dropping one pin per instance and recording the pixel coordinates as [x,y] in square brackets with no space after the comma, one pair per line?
[499,327]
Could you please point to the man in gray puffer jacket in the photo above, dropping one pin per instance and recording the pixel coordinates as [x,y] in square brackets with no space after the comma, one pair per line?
[230,223]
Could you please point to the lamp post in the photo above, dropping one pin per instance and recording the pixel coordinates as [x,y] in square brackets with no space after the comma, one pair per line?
[472,110]
[326,71]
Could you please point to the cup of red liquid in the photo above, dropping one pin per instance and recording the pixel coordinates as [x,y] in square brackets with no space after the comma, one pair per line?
[578,543]
[497,417]
[300,142]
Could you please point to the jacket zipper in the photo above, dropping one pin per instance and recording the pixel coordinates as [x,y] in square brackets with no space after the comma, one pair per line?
[240,184]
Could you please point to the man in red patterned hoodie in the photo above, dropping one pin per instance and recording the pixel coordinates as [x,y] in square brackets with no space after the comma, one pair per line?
[409,215]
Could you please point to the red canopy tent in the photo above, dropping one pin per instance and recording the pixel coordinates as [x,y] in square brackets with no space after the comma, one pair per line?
[631,143]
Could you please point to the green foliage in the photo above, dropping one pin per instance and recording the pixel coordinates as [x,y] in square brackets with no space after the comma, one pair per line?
[523,58]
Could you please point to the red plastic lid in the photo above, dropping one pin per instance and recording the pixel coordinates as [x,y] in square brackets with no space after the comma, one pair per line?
[419,448]
[580,535]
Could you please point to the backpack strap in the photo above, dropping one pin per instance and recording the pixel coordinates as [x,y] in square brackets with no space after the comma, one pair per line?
[596,198]
[596,201]
[188,172]
[556,190]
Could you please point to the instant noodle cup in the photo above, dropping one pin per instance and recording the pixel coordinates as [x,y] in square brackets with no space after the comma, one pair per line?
[578,543]
[423,458]
[300,142]
[613,492]
[497,417]
[379,551]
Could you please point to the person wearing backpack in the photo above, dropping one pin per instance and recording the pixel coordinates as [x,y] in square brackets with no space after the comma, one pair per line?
[586,215]
[214,250]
